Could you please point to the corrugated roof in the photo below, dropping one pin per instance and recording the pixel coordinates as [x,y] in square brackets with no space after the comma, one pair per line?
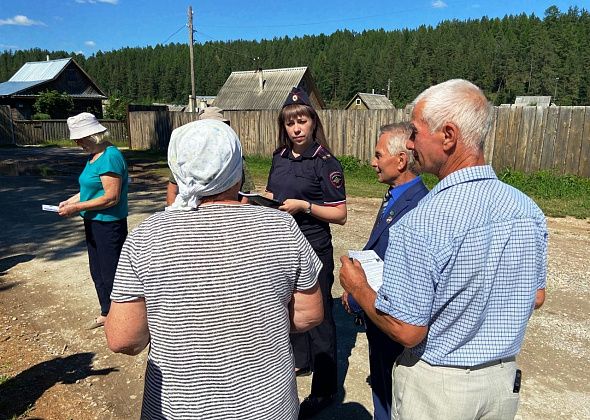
[10,88]
[373,101]
[242,90]
[38,71]
[533,100]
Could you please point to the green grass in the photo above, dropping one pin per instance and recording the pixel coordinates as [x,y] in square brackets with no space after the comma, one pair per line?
[557,195]
[361,180]
[3,378]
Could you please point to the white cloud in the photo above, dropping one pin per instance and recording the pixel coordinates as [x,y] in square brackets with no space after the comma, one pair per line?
[20,20]
[90,44]
[439,4]
[8,47]
[114,2]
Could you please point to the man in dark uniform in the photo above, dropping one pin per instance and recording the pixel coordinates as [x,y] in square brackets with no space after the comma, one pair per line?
[394,165]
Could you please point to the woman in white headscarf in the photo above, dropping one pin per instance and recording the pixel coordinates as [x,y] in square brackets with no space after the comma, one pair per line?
[203,284]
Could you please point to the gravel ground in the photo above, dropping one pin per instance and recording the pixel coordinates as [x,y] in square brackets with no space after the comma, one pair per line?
[50,367]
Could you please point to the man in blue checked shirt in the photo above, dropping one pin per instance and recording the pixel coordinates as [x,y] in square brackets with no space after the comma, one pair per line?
[463,274]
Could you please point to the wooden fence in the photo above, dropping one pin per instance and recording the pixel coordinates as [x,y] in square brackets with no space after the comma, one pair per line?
[521,138]
[26,132]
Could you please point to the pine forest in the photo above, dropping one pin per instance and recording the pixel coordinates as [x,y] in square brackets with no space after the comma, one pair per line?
[507,57]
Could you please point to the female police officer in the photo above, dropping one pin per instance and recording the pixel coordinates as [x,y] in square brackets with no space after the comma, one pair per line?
[308,180]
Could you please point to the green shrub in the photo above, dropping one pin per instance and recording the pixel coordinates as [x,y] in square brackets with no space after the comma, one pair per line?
[51,102]
[41,116]
[350,163]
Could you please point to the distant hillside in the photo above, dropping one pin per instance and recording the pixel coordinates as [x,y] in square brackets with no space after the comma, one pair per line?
[515,55]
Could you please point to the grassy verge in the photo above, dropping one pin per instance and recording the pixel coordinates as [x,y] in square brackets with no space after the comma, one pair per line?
[361,180]
[557,195]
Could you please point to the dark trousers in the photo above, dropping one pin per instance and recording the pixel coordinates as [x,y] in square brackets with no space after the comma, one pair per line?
[383,352]
[104,241]
[316,348]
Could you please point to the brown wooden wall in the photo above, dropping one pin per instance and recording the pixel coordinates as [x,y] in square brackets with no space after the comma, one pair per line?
[521,138]
[27,132]
[6,131]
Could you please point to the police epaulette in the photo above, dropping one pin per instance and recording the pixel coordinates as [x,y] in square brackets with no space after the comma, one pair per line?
[279,150]
[323,153]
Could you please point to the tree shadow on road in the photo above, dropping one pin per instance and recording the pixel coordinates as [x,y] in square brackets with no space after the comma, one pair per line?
[6,263]
[26,229]
[19,393]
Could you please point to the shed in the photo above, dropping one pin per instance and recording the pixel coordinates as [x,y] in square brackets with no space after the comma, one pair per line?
[265,89]
[369,101]
[64,75]
[532,101]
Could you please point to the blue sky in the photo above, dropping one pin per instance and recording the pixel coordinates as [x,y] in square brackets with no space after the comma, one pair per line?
[87,26]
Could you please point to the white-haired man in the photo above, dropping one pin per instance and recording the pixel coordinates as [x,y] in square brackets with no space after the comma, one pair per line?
[465,271]
[395,167]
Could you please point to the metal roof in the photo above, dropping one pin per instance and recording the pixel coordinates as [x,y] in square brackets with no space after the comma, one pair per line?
[10,88]
[533,100]
[373,101]
[36,73]
[40,71]
[242,91]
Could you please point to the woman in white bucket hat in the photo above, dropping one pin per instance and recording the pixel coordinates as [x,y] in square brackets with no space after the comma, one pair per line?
[102,203]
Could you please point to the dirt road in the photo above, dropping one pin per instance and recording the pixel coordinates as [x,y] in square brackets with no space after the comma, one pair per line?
[51,368]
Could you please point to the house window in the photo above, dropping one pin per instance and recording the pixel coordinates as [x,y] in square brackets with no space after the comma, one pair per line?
[358,101]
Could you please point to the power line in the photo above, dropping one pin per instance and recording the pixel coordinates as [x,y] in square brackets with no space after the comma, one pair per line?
[227,49]
[177,31]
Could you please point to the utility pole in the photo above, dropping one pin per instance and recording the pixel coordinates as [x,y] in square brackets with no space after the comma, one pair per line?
[191,99]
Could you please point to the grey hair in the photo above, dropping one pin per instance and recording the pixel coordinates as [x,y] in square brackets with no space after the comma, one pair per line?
[398,135]
[99,138]
[462,103]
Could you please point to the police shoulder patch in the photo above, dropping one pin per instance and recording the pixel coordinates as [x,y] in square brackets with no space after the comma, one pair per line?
[336,179]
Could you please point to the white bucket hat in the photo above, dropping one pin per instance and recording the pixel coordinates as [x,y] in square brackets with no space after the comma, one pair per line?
[213,113]
[84,125]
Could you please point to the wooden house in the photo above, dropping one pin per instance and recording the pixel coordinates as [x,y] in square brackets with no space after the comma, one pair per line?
[369,101]
[64,75]
[265,89]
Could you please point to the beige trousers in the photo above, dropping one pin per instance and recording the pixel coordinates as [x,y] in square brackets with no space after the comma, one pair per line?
[422,391]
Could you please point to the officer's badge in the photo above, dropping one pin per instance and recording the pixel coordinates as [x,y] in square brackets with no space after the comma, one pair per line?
[294,98]
[336,179]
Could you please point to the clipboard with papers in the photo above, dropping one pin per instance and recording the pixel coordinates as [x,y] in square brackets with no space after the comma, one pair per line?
[373,266]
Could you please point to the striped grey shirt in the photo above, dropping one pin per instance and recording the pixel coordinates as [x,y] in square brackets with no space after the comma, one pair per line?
[217,283]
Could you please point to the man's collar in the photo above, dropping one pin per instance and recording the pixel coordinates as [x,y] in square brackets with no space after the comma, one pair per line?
[469,174]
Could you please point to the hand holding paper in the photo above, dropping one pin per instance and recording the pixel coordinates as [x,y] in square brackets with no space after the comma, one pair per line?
[48,207]
[372,265]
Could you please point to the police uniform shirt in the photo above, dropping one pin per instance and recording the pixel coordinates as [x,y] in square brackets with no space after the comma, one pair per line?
[314,176]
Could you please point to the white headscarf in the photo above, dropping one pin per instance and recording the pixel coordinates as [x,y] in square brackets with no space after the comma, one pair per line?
[205,158]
